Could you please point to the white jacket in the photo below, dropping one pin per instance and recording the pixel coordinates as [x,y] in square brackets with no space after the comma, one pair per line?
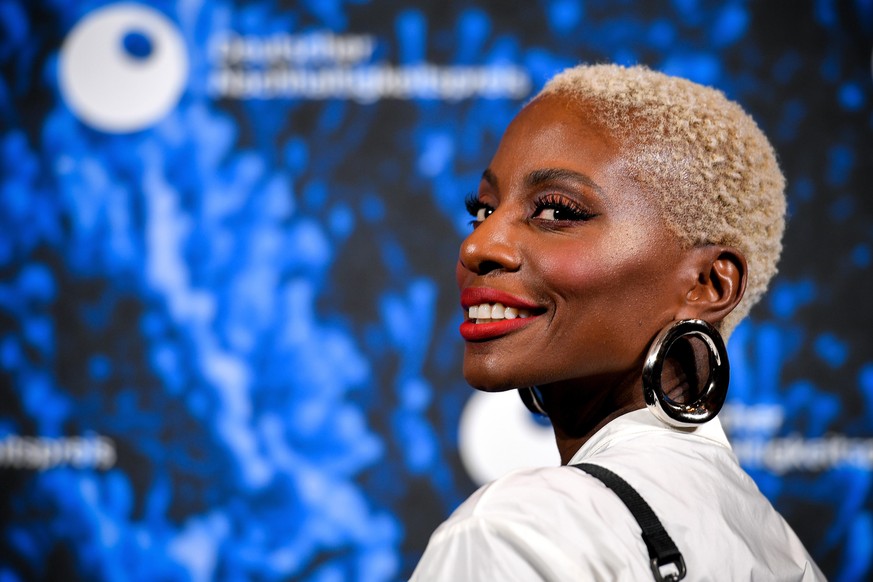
[559,523]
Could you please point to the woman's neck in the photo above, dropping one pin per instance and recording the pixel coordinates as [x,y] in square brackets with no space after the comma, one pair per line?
[578,411]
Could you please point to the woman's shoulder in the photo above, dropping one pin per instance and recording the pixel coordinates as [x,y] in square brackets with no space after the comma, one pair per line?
[563,521]
[534,492]
[542,523]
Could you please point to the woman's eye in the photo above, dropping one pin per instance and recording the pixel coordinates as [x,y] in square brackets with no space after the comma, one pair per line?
[478,209]
[552,208]
[550,214]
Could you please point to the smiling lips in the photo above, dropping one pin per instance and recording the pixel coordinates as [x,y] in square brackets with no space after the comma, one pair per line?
[487,312]
[492,313]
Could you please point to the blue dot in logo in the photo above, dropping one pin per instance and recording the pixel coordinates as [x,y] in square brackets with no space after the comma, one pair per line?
[137,44]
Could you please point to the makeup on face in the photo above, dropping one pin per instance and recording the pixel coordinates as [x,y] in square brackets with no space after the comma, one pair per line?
[492,313]
[568,271]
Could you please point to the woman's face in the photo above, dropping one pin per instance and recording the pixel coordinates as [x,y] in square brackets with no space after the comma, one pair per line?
[576,251]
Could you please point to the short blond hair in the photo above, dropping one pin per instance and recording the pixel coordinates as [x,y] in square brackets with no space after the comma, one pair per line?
[704,159]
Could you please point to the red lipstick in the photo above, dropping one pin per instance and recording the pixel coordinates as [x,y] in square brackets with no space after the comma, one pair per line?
[478,295]
[472,331]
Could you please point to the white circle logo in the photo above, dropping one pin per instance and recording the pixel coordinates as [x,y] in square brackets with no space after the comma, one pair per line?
[122,68]
[497,434]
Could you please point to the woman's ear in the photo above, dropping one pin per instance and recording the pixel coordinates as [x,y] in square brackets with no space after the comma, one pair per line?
[720,284]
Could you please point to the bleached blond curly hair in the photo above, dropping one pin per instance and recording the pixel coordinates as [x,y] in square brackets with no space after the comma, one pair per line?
[703,158]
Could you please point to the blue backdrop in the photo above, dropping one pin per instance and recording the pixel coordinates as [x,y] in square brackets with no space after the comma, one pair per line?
[228,321]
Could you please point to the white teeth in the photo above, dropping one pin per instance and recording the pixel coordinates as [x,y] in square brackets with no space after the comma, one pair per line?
[487,312]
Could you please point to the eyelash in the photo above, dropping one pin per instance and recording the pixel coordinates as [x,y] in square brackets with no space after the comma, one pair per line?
[474,205]
[573,211]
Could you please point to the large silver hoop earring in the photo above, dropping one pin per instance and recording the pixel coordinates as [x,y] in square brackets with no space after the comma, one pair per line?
[532,400]
[713,395]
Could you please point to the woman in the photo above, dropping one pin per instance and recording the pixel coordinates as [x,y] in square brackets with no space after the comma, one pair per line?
[622,210]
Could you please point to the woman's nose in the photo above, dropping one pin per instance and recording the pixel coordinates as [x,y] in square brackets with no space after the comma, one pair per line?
[491,246]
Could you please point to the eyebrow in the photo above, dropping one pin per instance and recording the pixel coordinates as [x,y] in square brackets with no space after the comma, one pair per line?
[538,177]
[489,177]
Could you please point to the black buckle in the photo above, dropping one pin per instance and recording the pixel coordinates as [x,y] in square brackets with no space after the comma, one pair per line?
[672,576]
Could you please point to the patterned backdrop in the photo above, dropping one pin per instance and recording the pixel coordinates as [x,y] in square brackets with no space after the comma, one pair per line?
[228,321]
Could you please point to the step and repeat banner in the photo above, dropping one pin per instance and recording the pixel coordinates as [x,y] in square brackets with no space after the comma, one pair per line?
[228,230]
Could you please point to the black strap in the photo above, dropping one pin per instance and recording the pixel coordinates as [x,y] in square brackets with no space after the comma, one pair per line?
[662,550]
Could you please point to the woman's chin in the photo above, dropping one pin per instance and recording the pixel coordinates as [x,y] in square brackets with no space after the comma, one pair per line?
[491,382]
[494,388]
